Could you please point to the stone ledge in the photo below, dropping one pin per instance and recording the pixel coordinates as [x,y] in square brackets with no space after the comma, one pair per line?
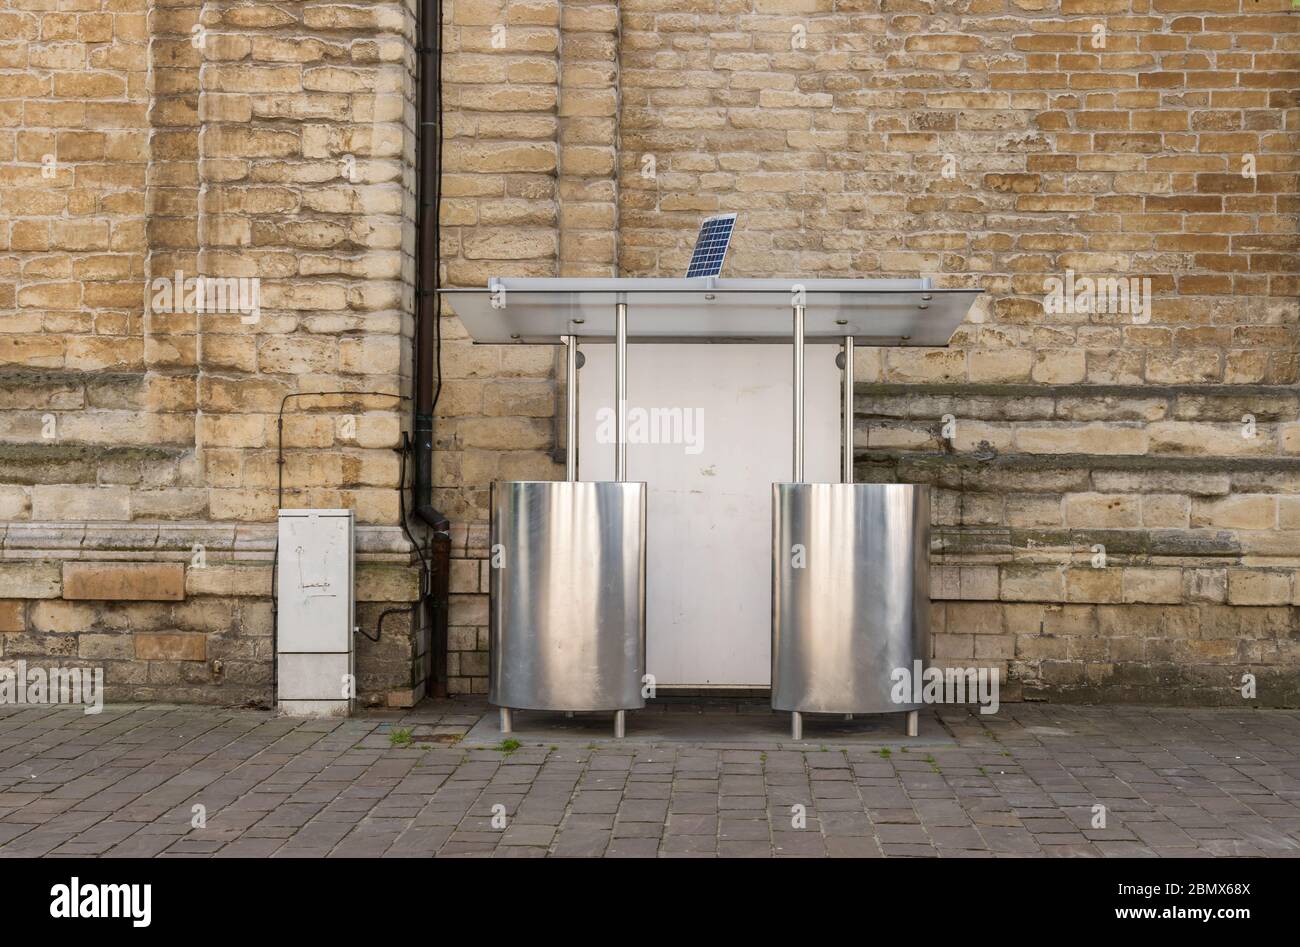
[67,465]
[919,463]
[1079,390]
[176,541]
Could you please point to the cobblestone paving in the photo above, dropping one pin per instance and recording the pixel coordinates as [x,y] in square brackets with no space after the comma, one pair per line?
[1023,782]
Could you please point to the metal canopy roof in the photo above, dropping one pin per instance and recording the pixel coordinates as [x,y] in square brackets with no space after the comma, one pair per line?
[873,311]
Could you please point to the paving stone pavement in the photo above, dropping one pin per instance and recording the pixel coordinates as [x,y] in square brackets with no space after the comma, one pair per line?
[1024,782]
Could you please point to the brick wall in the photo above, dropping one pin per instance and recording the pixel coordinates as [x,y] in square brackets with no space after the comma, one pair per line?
[164,626]
[233,140]
[1117,509]
[529,189]
[995,144]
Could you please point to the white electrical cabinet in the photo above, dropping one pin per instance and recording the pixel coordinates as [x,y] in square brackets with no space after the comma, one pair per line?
[315,661]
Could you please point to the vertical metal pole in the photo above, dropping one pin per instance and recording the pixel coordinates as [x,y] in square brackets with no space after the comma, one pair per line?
[571,409]
[620,458]
[620,392]
[505,720]
[848,410]
[798,394]
[796,718]
[913,723]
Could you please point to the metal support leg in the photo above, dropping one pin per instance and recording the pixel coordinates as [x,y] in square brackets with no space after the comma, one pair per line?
[620,427]
[796,718]
[506,721]
[913,723]
[848,716]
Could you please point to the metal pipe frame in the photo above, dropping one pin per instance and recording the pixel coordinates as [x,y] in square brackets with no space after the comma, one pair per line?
[847,473]
[620,392]
[796,718]
[620,427]
[798,393]
[571,409]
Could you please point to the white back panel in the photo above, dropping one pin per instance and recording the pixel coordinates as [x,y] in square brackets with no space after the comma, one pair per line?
[709,514]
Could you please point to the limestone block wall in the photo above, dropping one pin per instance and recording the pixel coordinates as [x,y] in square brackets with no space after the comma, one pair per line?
[143,146]
[1117,509]
[530,188]
[167,623]
[1117,492]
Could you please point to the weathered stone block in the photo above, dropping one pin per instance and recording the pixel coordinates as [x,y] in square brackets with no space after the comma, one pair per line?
[11,615]
[105,647]
[228,580]
[80,503]
[1033,583]
[159,646]
[1093,585]
[377,582]
[1256,587]
[1239,511]
[52,615]
[124,581]
[1153,585]
[977,618]
[27,579]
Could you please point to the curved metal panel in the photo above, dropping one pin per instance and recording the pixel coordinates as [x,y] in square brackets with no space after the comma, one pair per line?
[567,619]
[850,593]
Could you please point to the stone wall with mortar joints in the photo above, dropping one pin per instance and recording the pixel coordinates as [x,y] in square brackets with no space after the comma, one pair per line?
[1123,159]
[998,145]
[500,216]
[530,189]
[307,149]
[222,139]
[167,624]
[273,143]
[75,138]
[1073,430]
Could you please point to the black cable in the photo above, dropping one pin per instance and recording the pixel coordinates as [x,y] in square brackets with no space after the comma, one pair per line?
[401,508]
[379,625]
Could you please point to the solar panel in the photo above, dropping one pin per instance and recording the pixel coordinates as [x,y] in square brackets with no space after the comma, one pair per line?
[711,245]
